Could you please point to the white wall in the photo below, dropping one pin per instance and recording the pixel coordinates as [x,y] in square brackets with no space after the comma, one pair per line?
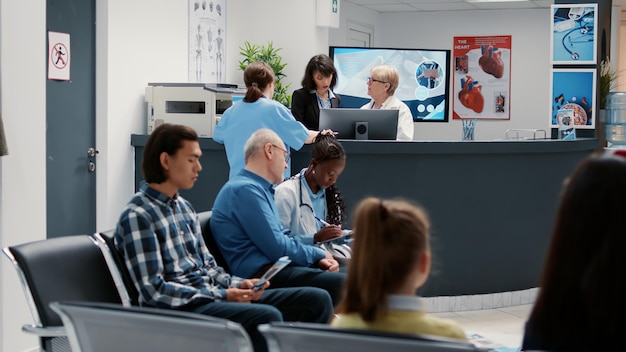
[137,42]
[356,14]
[23,172]
[288,24]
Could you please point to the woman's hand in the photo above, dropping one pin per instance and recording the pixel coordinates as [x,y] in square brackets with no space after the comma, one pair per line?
[328,233]
[328,131]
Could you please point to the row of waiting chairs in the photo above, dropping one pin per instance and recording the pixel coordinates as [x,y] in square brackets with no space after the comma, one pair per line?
[82,299]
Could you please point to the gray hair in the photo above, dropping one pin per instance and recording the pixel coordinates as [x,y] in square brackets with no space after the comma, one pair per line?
[258,139]
[388,74]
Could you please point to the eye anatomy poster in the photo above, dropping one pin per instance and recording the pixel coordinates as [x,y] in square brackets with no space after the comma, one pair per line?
[573,94]
[574,38]
[207,40]
[482,77]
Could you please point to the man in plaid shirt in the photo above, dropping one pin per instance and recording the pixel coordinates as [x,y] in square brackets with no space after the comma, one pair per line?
[160,238]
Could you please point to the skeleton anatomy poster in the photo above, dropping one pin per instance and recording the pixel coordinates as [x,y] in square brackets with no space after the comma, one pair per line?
[207,39]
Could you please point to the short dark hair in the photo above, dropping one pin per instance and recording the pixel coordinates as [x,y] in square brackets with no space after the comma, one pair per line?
[166,138]
[324,65]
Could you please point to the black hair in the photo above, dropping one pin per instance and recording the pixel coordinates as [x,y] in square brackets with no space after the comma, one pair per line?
[327,147]
[166,138]
[324,65]
[582,281]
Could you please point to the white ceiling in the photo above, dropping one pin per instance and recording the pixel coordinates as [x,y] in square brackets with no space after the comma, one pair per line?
[452,5]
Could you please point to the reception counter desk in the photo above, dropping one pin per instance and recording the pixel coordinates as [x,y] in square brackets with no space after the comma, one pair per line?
[491,203]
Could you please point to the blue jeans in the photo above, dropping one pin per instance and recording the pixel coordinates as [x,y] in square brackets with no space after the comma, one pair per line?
[307,304]
[300,276]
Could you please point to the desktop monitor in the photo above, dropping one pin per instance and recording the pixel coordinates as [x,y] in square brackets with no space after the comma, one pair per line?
[364,124]
[424,78]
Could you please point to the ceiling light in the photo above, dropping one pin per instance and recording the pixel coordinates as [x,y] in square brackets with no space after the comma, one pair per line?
[494,0]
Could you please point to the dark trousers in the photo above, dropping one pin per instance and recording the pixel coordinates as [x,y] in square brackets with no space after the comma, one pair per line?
[296,276]
[307,304]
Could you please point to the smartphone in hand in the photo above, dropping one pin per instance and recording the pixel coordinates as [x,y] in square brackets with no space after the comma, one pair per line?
[278,266]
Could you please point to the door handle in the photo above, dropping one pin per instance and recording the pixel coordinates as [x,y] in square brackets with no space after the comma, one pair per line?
[91,152]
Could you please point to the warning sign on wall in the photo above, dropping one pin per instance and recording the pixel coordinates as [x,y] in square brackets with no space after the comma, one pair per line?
[59,56]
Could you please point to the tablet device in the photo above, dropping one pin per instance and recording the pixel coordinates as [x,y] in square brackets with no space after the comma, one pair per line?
[278,266]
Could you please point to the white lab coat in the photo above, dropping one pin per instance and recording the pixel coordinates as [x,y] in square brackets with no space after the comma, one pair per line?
[405,119]
[295,208]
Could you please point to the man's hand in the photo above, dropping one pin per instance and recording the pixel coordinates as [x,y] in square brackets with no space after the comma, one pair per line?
[245,293]
[328,263]
[240,295]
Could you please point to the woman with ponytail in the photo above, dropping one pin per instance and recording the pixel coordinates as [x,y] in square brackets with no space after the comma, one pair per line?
[256,111]
[390,261]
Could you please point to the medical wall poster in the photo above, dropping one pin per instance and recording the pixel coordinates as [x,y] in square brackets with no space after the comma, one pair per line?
[573,95]
[59,56]
[207,41]
[482,77]
[573,40]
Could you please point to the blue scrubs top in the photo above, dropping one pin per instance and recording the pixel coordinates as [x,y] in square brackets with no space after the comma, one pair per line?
[242,119]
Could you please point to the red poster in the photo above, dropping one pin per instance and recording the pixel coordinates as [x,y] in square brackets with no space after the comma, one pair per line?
[482,77]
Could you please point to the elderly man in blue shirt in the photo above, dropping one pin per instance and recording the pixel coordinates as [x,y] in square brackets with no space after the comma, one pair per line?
[247,227]
[159,236]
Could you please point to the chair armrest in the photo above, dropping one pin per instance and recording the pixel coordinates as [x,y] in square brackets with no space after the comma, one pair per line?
[52,331]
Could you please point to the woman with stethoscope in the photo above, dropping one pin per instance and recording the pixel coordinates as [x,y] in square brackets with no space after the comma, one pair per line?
[309,204]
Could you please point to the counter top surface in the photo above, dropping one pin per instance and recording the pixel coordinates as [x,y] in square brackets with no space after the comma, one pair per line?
[438,147]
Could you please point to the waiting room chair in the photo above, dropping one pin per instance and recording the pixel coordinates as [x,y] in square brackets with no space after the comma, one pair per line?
[309,337]
[101,327]
[56,269]
[205,225]
[119,271]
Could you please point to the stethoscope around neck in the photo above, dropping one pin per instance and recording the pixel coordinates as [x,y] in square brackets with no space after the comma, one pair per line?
[303,179]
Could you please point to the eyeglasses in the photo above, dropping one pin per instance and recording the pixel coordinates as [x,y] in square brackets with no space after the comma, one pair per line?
[287,155]
[370,80]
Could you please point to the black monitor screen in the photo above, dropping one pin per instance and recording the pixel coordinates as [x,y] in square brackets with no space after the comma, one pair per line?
[424,78]
[372,124]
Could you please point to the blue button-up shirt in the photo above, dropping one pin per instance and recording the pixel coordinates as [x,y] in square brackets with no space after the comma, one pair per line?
[247,227]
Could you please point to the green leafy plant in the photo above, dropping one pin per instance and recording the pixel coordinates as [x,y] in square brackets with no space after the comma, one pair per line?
[268,54]
[608,76]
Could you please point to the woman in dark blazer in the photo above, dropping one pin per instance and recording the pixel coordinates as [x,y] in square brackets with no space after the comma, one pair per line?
[319,79]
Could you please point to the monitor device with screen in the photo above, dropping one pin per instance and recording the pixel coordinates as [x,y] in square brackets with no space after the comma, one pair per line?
[365,124]
[424,78]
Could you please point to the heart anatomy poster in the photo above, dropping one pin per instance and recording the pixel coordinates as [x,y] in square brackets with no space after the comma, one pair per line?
[482,77]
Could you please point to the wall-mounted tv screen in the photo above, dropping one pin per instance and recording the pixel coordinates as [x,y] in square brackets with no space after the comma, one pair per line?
[424,78]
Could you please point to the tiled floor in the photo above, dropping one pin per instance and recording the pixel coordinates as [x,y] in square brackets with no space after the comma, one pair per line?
[504,325]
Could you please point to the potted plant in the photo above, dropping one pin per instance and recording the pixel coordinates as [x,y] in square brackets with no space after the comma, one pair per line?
[268,54]
[608,76]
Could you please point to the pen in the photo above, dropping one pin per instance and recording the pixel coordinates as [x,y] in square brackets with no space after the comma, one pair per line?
[322,221]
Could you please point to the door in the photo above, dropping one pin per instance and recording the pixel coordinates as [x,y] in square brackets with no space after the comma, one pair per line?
[70,124]
[359,35]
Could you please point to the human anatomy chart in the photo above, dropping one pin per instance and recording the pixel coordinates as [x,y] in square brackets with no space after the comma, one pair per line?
[207,24]
[482,71]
